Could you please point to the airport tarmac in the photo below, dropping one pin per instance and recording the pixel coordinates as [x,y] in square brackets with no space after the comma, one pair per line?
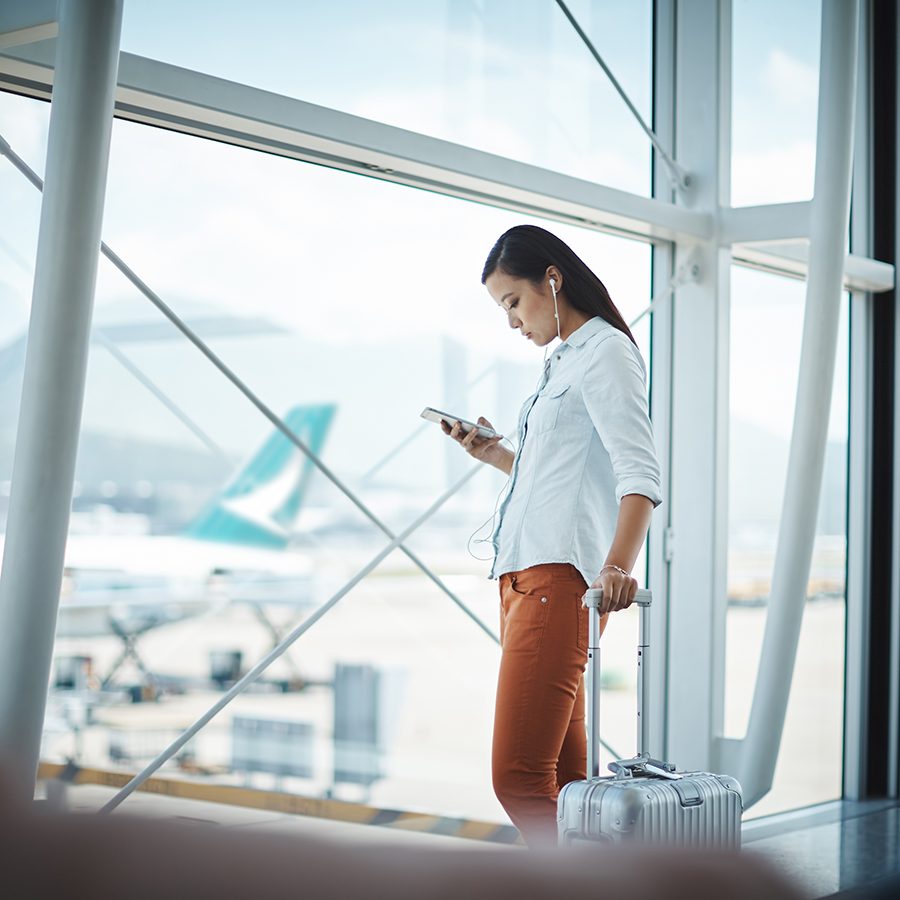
[439,711]
[90,798]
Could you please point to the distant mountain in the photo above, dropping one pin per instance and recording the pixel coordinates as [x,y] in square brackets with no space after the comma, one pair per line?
[13,312]
[129,436]
[757,473]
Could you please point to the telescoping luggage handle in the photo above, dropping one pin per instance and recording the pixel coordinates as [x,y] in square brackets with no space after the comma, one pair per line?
[592,600]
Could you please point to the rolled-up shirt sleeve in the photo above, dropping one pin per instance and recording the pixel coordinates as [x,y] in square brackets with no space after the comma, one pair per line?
[614,393]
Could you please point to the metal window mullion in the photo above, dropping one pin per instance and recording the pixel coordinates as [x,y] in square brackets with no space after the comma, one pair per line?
[699,384]
[191,102]
[722,402]
[661,336]
[893,748]
[859,493]
[28,21]
[859,430]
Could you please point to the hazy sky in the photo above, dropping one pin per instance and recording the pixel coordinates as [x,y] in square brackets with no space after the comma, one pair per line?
[343,260]
[508,76]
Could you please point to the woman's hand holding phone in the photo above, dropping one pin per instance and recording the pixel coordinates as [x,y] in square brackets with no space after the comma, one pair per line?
[486,450]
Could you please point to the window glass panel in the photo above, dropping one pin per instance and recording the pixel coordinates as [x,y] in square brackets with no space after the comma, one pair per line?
[510,77]
[775,86]
[767,312]
[24,124]
[319,288]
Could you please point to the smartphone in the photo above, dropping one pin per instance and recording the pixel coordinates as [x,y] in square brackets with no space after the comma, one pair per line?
[435,415]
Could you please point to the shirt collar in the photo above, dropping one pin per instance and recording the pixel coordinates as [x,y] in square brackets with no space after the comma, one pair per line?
[584,332]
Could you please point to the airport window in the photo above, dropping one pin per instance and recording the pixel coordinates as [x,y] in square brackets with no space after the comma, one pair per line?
[767,311]
[24,125]
[348,303]
[320,289]
[775,83]
[510,77]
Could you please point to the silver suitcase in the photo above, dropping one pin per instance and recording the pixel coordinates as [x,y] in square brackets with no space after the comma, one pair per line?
[645,799]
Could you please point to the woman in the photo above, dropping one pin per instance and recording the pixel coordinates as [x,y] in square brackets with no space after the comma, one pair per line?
[583,484]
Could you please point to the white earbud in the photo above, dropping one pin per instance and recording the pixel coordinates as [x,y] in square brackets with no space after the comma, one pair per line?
[555,314]
[555,307]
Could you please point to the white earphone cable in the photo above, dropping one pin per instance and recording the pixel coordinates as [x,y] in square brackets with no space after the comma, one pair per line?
[555,316]
[489,519]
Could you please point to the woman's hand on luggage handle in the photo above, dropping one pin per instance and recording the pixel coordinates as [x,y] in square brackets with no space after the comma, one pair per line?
[619,589]
[487,450]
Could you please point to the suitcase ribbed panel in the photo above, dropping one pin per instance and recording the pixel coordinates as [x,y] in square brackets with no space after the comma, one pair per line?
[653,810]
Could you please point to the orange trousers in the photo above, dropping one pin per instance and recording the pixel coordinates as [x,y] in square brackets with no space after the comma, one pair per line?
[540,742]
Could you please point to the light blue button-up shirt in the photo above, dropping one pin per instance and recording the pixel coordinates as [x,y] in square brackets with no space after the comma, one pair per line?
[585,441]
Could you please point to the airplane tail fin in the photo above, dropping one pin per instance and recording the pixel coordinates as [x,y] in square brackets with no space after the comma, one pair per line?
[260,504]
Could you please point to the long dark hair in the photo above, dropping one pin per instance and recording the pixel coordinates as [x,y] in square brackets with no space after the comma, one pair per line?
[525,251]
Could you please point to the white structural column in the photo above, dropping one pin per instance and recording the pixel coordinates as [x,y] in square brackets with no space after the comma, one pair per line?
[698,426]
[56,360]
[831,206]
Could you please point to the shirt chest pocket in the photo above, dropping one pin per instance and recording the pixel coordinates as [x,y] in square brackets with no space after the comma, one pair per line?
[544,415]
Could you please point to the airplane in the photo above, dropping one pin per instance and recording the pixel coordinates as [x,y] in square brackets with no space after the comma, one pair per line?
[237,550]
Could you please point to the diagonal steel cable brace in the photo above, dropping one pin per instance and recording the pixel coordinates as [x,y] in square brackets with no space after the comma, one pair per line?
[277,651]
[158,302]
[677,175]
[421,429]
[686,273]
[147,382]
[134,370]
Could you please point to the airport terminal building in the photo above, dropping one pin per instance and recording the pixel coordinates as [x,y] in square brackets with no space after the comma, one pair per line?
[249,612]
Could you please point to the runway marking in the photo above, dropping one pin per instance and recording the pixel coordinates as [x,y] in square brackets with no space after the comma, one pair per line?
[293,804]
